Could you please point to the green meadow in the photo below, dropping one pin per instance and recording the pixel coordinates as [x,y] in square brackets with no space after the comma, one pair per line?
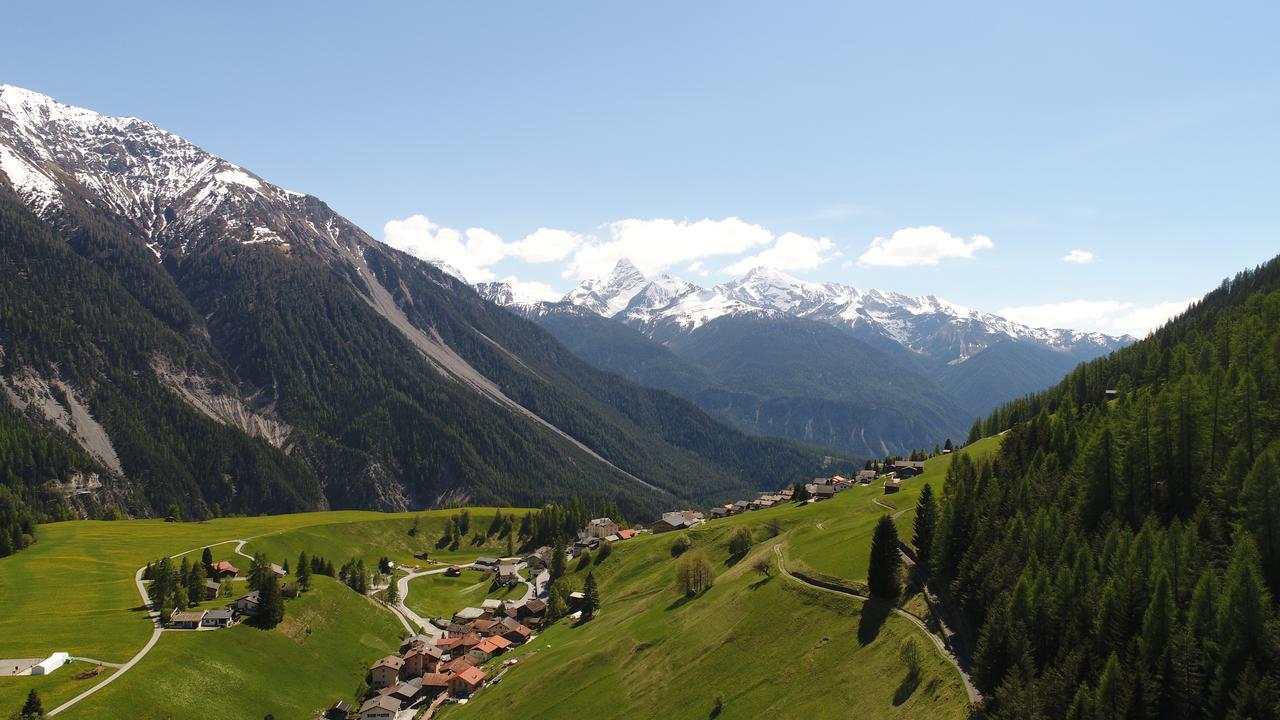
[758,642]
[440,596]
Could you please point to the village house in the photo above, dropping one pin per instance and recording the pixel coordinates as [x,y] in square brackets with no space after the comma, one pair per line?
[407,691]
[892,486]
[380,707]
[721,511]
[449,645]
[908,468]
[421,659]
[277,571]
[453,571]
[222,569]
[385,672]
[217,618]
[435,683]
[211,589]
[186,619]
[467,681]
[486,563]
[340,710]
[458,664]
[680,520]
[866,476]
[600,528]
[539,558]
[487,648]
[469,614]
[627,534]
[821,492]
[414,641]
[247,604]
[507,574]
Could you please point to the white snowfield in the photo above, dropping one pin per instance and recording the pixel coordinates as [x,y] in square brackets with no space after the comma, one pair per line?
[664,301]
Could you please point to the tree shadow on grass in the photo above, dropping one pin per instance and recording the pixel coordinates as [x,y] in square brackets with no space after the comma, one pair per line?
[874,612]
[906,687]
[681,601]
[760,583]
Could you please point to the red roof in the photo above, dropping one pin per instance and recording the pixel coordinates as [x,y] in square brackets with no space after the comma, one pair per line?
[472,676]
[435,680]
[224,566]
[626,534]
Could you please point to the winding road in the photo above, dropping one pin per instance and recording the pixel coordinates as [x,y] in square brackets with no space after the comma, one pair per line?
[975,696]
[156,631]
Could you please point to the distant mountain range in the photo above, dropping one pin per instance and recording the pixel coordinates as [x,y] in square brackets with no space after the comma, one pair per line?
[175,331]
[868,372]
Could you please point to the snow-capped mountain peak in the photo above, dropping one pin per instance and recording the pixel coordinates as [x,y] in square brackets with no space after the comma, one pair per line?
[610,294]
[166,186]
[665,307]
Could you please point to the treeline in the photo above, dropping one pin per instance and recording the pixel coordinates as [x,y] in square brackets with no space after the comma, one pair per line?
[1120,556]
[31,455]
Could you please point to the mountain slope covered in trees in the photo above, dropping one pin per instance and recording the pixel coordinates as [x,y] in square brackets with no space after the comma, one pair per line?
[202,342]
[1121,556]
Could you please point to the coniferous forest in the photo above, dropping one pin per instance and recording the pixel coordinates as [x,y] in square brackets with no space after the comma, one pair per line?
[1120,557]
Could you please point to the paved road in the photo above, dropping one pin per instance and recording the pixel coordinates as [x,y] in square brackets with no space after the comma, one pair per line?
[975,696]
[155,632]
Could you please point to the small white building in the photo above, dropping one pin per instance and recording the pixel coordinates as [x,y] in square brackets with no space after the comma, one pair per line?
[51,663]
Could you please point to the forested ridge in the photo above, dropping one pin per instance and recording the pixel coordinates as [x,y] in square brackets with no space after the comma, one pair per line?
[88,309]
[1120,558]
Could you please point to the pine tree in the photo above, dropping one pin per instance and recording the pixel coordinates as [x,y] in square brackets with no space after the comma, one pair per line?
[885,564]
[592,594]
[303,572]
[557,560]
[925,523]
[206,558]
[393,593]
[1244,609]
[33,708]
[270,604]
[800,493]
[1260,508]
[259,571]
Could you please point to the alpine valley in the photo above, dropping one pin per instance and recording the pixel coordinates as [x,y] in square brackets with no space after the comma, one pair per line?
[179,336]
[863,372]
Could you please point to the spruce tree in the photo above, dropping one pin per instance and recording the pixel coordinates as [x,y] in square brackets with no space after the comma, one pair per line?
[270,604]
[883,569]
[206,558]
[303,572]
[925,523]
[592,594]
[557,560]
[33,708]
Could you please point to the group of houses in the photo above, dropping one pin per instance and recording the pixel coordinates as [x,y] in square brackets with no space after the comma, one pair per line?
[894,474]
[450,664]
[765,500]
[822,488]
[245,606]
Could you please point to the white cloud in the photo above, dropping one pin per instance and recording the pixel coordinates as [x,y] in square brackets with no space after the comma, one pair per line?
[532,291]
[471,252]
[1078,256]
[921,246]
[656,245]
[545,245]
[790,252]
[1108,316]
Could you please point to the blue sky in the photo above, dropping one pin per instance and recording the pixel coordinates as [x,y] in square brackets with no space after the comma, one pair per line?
[990,140]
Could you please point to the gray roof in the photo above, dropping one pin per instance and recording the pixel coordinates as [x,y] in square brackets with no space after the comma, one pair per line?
[218,615]
[381,702]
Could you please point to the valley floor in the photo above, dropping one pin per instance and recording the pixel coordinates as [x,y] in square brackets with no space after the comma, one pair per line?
[766,646]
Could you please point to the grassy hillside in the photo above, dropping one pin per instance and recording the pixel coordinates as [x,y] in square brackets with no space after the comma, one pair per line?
[316,656]
[771,647]
[439,596]
[758,641]
[89,565]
